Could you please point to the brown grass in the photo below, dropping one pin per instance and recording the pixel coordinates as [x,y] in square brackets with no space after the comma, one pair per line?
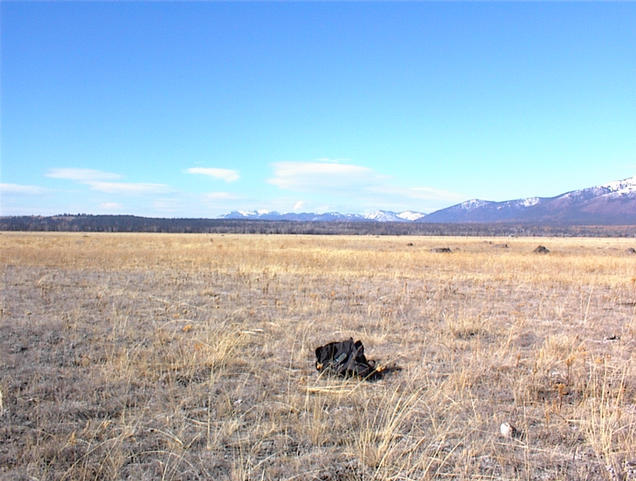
[191,357]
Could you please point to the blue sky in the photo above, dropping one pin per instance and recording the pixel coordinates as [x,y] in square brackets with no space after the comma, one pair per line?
[196,109]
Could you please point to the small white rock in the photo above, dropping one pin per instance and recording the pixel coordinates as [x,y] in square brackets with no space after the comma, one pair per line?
[507,430]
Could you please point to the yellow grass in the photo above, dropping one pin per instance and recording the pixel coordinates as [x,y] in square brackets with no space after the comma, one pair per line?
[139,356]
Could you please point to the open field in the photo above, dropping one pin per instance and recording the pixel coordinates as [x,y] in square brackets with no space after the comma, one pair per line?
[184,357]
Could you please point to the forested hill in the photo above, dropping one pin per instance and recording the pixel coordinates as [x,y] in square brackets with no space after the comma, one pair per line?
[129,223]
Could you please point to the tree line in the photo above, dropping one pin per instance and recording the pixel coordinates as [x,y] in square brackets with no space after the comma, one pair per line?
[130,223]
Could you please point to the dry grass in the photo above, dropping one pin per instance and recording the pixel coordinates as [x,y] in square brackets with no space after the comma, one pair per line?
[191,357]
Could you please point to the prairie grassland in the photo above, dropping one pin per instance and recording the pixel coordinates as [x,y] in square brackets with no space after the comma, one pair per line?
[192,357]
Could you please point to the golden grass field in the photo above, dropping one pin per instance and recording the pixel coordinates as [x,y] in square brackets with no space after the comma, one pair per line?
[186,357]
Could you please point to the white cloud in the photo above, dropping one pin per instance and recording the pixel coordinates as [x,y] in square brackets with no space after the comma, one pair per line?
[21,189]
[353,187]
[128,187]
[321,175]
[81,175]
[299,205]
[101,181]
[228,175]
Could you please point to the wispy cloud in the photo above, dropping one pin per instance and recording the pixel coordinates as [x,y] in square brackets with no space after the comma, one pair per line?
[21,189]
[81,175]
[101,181]
[342,182]
[319,175]
[228,175]
[134,188]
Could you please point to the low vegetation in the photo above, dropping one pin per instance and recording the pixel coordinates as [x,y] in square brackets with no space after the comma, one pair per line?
[182,357]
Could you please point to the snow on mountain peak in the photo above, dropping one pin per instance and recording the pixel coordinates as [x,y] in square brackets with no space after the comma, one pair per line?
[529,202]
[621,187]
[381,216]
[612,190]
[472,204]
[410,215]
[619,195]
[389,216]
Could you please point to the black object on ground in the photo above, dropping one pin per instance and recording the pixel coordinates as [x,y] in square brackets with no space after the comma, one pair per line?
[347,359]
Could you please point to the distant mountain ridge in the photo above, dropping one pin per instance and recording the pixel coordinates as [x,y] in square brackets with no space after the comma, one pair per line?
[377,216]
[613,203]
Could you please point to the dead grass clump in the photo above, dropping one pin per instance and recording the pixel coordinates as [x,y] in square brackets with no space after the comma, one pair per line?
[608,420]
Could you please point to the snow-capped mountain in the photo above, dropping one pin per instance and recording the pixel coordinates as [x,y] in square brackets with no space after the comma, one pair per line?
[410,216]
[377,216]
[611,203]
[389,216]
[620,189]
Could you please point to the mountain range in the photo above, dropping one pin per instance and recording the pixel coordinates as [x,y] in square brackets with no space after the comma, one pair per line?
[613,203]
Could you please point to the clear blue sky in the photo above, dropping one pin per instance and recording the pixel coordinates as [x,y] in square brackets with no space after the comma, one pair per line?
[196,109]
